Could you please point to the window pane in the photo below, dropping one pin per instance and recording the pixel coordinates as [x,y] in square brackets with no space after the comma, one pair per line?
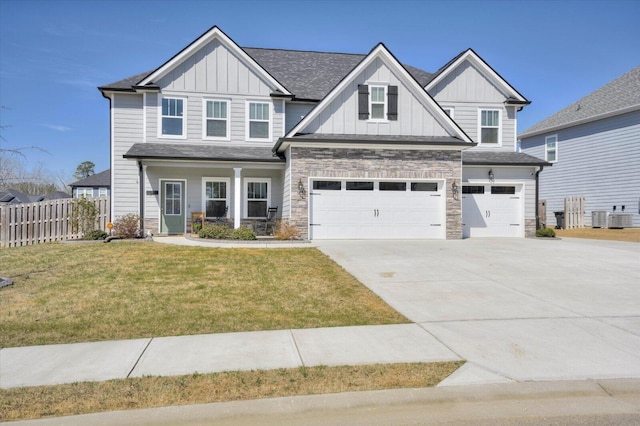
[328,185]
[377,94]
[217,128]
[503,189]
[489,135]
[393,186]
[424,186]
[215,208]
[359,186]
[257,190]
[257,208]
[490,118]
[473,189]
[258,129]
[377,111]
[171,126]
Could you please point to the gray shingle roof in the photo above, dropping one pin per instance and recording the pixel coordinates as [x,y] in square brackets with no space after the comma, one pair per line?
[484,158]
[620,94]
[99,179]
[162,151]
[308,75]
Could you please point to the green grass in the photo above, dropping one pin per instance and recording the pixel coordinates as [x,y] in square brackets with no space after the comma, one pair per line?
[77,292]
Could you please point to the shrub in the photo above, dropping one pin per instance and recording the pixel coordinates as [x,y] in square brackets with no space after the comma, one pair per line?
[545,232]
[216,232]
[127,226]
[96,234]
[196,226]
[243,233]
[84,214]
[286,231]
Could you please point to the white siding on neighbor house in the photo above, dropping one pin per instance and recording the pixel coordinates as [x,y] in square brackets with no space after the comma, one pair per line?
[507,175]
[467,91]
[341,115]
[600,160]
[127,116]
[295,111]
[194,176]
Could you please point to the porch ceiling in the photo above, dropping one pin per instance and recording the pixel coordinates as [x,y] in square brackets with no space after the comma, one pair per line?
[161,151]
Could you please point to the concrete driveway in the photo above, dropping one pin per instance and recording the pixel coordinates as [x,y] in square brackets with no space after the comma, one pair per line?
[516,309]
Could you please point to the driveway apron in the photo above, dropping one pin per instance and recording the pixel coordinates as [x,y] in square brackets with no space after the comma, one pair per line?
[516,309]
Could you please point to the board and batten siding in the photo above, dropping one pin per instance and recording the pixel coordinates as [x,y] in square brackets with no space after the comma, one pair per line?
[341,115]
[600,160]
[467,91]
[127,116]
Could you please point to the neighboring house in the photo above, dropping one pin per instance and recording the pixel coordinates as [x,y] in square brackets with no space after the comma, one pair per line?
[12,196]
[96,185]
[344,145]
[594,146]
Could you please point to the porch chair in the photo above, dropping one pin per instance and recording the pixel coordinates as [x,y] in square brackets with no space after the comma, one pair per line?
[270,220]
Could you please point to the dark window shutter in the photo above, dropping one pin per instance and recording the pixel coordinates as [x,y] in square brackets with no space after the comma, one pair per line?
[363,102]
[392,107]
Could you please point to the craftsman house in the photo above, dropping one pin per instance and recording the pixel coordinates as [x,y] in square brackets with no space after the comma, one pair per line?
[343,145]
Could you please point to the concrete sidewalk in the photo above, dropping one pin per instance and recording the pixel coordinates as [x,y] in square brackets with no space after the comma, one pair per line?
[167,356]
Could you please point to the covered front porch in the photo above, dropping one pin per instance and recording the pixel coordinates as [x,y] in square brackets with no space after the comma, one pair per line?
[230,189]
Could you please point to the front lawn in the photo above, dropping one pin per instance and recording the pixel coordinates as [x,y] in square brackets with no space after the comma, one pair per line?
[76,292]
[627,234]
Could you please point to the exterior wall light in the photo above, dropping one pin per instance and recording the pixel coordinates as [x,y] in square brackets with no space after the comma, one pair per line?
[301,191]
[454,190]
[491,175]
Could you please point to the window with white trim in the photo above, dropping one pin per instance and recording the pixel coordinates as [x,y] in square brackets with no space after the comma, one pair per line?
[215,197]
[489,126]
[102,192]
[378,102]
[172,117]
[216,119]
[259,121]
[257,197]
[84,192]
[551,148]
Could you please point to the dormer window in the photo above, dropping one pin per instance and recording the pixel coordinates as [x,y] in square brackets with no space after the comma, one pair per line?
[377,102]
[489,126]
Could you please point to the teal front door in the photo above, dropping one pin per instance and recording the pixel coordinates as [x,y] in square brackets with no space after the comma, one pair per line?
[172,215]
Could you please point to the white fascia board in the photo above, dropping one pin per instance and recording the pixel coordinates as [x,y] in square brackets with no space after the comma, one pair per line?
[488,72]
[204,39]
[380,51]
[391,145]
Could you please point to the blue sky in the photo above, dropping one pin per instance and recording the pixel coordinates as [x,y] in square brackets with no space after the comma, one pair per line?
[53,54]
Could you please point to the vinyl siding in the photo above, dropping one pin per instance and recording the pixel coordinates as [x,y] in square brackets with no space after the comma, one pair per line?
[467,91]
[295,112]
[600,160]
[127,116]
[341,115]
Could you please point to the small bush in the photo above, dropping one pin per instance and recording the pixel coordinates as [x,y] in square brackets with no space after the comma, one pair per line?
[96,234]
[545,232]
[215,232]
[243,233]
[286,231]
[127,226]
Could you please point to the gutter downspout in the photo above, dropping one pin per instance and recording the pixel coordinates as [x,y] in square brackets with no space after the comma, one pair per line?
[141,180]
[538,196]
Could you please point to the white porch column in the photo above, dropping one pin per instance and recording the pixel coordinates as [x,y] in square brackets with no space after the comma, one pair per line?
[237,197]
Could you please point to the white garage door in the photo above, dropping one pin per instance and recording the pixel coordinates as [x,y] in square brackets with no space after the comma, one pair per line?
[358,209]
[492,211]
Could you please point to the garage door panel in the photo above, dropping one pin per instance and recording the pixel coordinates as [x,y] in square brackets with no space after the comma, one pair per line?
[493,215]
[376,214]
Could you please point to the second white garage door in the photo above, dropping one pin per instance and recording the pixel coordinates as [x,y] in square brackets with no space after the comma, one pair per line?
[359,209]
[492,211]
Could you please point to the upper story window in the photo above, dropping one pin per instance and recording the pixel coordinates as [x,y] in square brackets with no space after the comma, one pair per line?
[172,119]
[216,119]
[377,102]
[259,122]
[551,148]
[490,126]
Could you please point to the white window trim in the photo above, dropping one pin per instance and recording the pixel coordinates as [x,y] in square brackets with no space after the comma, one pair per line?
[184,117]
[82,192]
[499,125]
[546,150]
[205,118]
[103,192]
[248,120]
[384,118]
[245,199]
[204,193]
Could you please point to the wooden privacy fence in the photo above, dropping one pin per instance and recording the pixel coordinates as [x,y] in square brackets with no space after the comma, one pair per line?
[574,212]
[45,221]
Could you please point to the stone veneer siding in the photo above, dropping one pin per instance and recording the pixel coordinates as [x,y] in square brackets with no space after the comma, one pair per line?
[529,228]
[376,164]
